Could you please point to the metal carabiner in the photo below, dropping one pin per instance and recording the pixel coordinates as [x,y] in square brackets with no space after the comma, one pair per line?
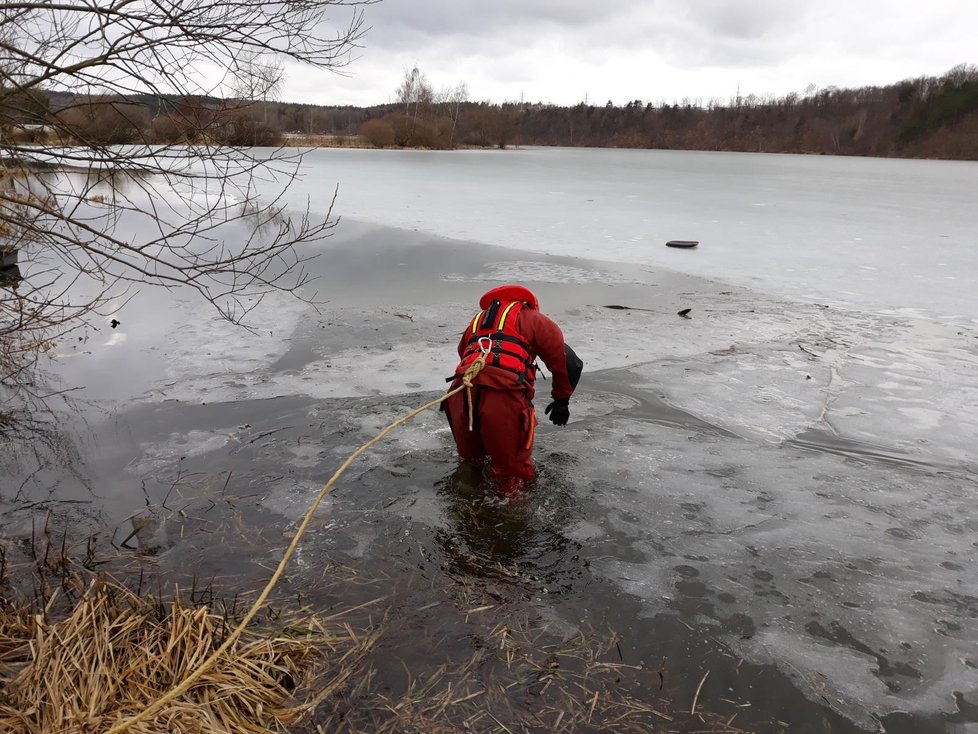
[485,350]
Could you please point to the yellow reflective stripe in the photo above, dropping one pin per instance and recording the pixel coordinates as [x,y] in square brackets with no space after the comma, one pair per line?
[475,322]
[502,319]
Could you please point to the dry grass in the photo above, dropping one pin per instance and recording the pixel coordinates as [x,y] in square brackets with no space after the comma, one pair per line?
[300,140]
[95,654]
[516,681]
[114,652]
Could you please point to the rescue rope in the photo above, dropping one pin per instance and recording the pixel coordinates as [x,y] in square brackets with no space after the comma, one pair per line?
[187,682]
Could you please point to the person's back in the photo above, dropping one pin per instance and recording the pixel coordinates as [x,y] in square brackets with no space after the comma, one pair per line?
[510,333]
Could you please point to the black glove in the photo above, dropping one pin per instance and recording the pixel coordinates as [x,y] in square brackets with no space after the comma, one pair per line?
[559,412]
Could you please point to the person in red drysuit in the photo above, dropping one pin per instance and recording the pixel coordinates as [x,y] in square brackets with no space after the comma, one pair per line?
[511,332]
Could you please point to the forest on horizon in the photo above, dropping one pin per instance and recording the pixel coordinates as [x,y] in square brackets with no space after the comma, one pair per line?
[925,117]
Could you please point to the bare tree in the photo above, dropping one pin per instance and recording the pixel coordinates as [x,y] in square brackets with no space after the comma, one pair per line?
[416,90]
[455,97]
[257,78]
[961,74]
[406,89]
[91,219]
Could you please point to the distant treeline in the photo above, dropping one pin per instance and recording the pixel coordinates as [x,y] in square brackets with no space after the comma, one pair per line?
[932,117]
[100,120]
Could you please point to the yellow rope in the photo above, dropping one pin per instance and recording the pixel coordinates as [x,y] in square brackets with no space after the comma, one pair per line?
[470,373]
[187,682]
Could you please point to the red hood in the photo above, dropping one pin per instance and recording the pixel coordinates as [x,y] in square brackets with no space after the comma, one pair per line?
[510,293]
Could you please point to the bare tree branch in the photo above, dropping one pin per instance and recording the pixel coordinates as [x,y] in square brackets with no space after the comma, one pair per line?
[91,202]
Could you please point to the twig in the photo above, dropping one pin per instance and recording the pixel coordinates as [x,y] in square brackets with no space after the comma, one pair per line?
[809,351]
[505,728]
[696,698]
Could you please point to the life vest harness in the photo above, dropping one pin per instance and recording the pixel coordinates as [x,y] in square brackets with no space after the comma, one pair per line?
[493,334]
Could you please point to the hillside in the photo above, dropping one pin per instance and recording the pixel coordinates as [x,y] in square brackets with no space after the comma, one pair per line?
[926,117]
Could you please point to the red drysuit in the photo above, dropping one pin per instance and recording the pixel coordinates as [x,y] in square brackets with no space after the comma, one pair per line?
[504,421]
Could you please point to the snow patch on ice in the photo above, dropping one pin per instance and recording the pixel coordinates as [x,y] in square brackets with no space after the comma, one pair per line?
[521,271]
[291,499]
[211,346]
[161,454]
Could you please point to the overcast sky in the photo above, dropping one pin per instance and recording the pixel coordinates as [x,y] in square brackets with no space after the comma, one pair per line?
[560,51]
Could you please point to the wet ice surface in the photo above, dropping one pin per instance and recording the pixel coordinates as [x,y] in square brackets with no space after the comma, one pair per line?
[807,550]
[793,480]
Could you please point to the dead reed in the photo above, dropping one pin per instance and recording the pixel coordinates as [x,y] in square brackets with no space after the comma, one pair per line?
[111,652]
[517,680]
[454,653]
[114,652]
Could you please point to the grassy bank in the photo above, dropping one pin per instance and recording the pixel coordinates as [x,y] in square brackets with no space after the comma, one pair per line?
[96,653]
[296,140]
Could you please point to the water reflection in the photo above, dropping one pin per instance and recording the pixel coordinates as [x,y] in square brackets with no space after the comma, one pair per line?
[43,434]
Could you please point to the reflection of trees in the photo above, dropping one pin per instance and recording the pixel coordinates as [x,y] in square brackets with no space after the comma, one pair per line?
[35,439]
[33,312]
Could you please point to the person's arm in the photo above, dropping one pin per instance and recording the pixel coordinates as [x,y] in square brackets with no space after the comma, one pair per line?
[547,340]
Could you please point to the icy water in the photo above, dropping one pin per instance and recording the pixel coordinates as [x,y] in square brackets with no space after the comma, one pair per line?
[778,489]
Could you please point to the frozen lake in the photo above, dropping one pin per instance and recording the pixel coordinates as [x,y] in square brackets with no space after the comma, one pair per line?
[890,235]
[778,489]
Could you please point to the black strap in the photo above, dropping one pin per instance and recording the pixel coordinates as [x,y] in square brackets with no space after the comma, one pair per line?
[524,360]
[499,336]
[497,350]
[489,319]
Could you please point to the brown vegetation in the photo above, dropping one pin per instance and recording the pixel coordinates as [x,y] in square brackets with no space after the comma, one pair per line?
[114,652]
[103,121]
[94,663]
[925,117]
[379,133]
[932,117]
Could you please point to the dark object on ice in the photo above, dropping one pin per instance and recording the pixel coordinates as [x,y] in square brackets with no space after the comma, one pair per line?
[9,272]
[8,257]
[114,323]
[10,276]
[628,308]
[684,313]
[682,243]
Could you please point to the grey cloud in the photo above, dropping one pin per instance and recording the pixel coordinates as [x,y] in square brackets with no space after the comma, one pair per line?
[712,34]
[557,48]
[746,20]
[394,22]
[704,33]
